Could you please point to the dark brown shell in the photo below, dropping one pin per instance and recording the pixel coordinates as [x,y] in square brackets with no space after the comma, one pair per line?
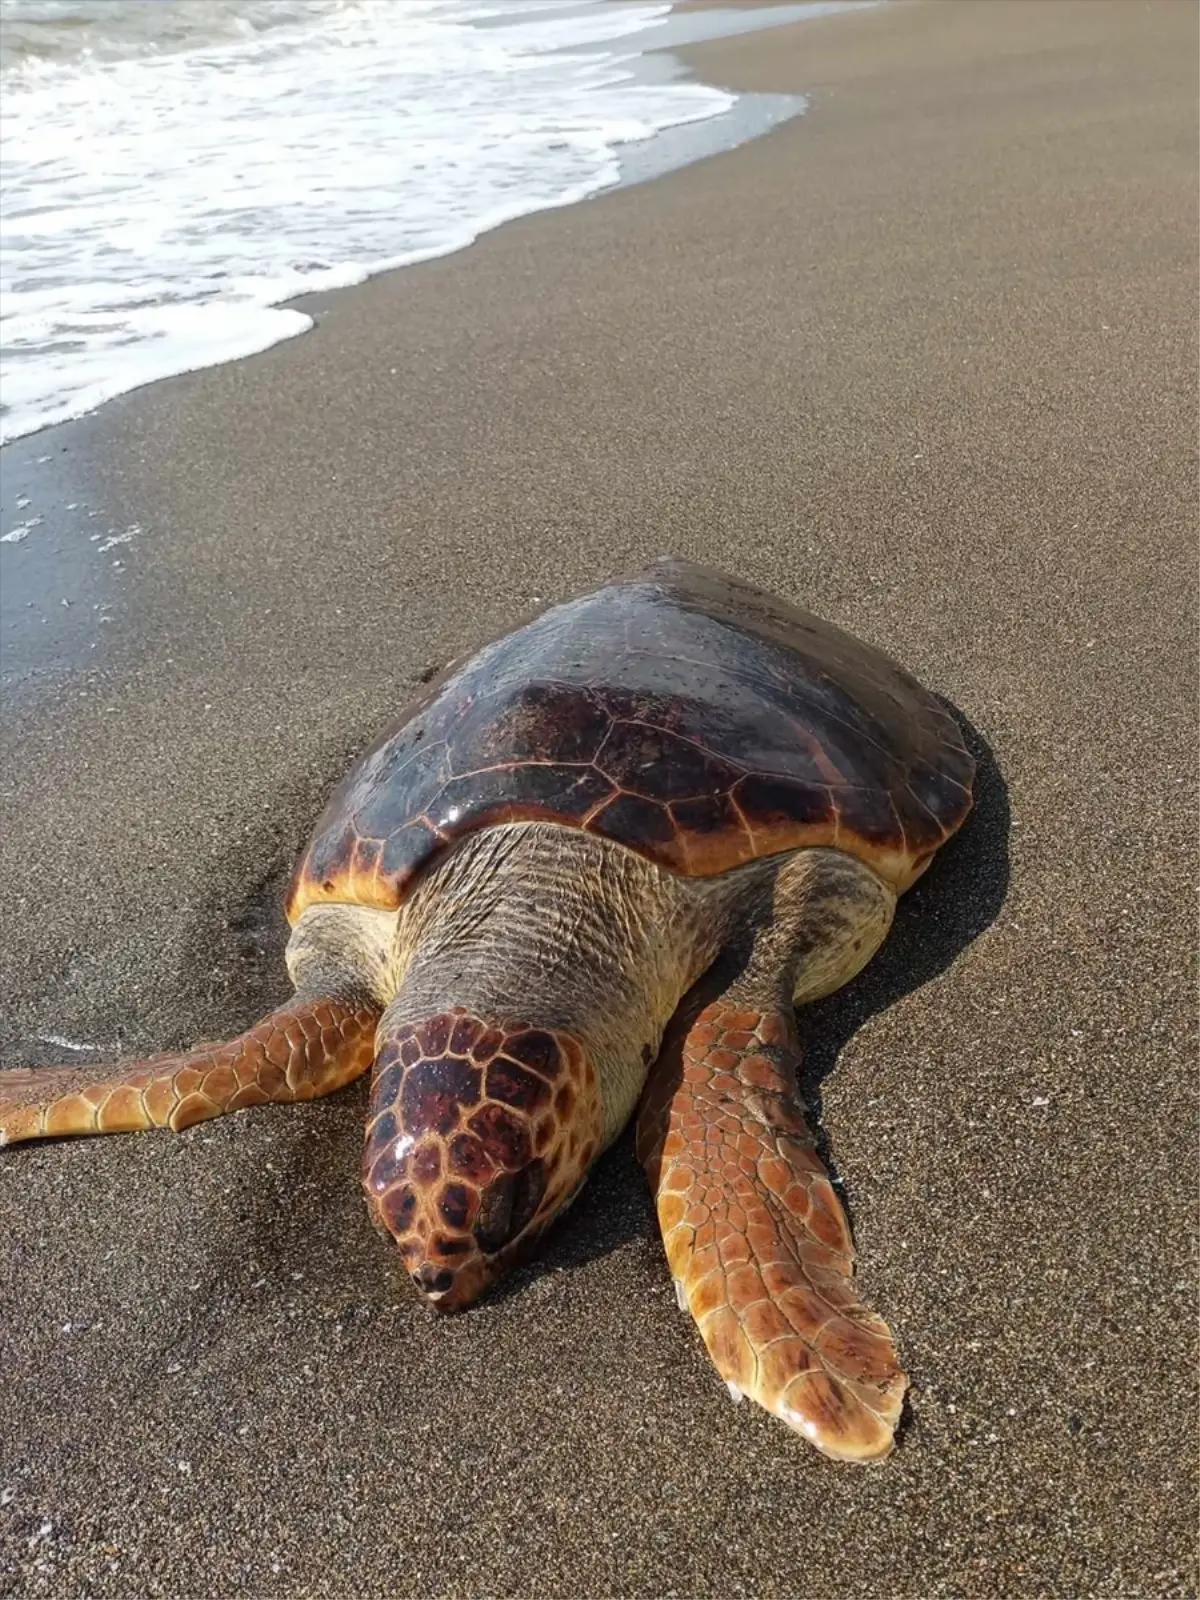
[689,716]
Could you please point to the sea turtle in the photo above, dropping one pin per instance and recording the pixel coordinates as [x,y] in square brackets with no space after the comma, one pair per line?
[669,779]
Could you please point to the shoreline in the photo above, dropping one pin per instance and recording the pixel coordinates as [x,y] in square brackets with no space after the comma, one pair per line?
[656,60]
[923,359]
[53,602]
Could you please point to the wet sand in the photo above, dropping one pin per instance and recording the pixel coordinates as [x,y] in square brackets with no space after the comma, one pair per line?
[924,359]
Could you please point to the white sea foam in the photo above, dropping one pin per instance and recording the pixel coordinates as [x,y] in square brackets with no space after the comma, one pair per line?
[64,1043]
[165,191]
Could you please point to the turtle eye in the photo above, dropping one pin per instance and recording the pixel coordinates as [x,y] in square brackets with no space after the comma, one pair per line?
[508,1206]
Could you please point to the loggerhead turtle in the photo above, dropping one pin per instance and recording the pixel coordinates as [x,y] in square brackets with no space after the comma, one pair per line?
[502,909]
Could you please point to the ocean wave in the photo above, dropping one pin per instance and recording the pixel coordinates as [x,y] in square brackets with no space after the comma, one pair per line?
[164,196]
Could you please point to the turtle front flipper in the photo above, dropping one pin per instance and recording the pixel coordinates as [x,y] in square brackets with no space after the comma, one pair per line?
[756,1237]
[299,1052]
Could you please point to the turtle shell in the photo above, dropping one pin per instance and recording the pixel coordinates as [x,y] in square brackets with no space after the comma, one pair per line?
[682,713]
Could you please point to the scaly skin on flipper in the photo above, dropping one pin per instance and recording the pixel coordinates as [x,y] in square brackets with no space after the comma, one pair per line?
[300,1052]
[756,1236]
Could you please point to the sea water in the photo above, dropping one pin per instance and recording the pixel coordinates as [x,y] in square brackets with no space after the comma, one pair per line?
[172,172]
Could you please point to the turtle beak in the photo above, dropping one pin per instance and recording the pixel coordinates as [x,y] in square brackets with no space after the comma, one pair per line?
[430,1228]
[456,1240]
[448,1288]
[451,1288]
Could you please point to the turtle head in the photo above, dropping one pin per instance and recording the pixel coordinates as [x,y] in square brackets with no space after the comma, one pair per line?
[479,1134]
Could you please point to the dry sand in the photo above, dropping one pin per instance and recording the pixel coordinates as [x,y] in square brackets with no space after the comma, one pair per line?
[924,359]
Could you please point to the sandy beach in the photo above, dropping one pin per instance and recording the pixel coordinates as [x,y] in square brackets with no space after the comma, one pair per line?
[923,359]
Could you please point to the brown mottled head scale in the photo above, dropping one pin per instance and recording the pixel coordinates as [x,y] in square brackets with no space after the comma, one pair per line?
[478,1135]
[683,714]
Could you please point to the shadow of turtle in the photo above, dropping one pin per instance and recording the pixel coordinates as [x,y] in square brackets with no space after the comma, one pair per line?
[958,898]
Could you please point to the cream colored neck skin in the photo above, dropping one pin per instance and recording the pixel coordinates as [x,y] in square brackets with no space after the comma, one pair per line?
[563,930]
[560,929]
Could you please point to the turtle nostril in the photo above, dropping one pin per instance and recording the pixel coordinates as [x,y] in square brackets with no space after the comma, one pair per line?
[432,1280]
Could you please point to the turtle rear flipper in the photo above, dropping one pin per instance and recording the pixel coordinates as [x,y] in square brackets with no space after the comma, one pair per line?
[299,1052]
